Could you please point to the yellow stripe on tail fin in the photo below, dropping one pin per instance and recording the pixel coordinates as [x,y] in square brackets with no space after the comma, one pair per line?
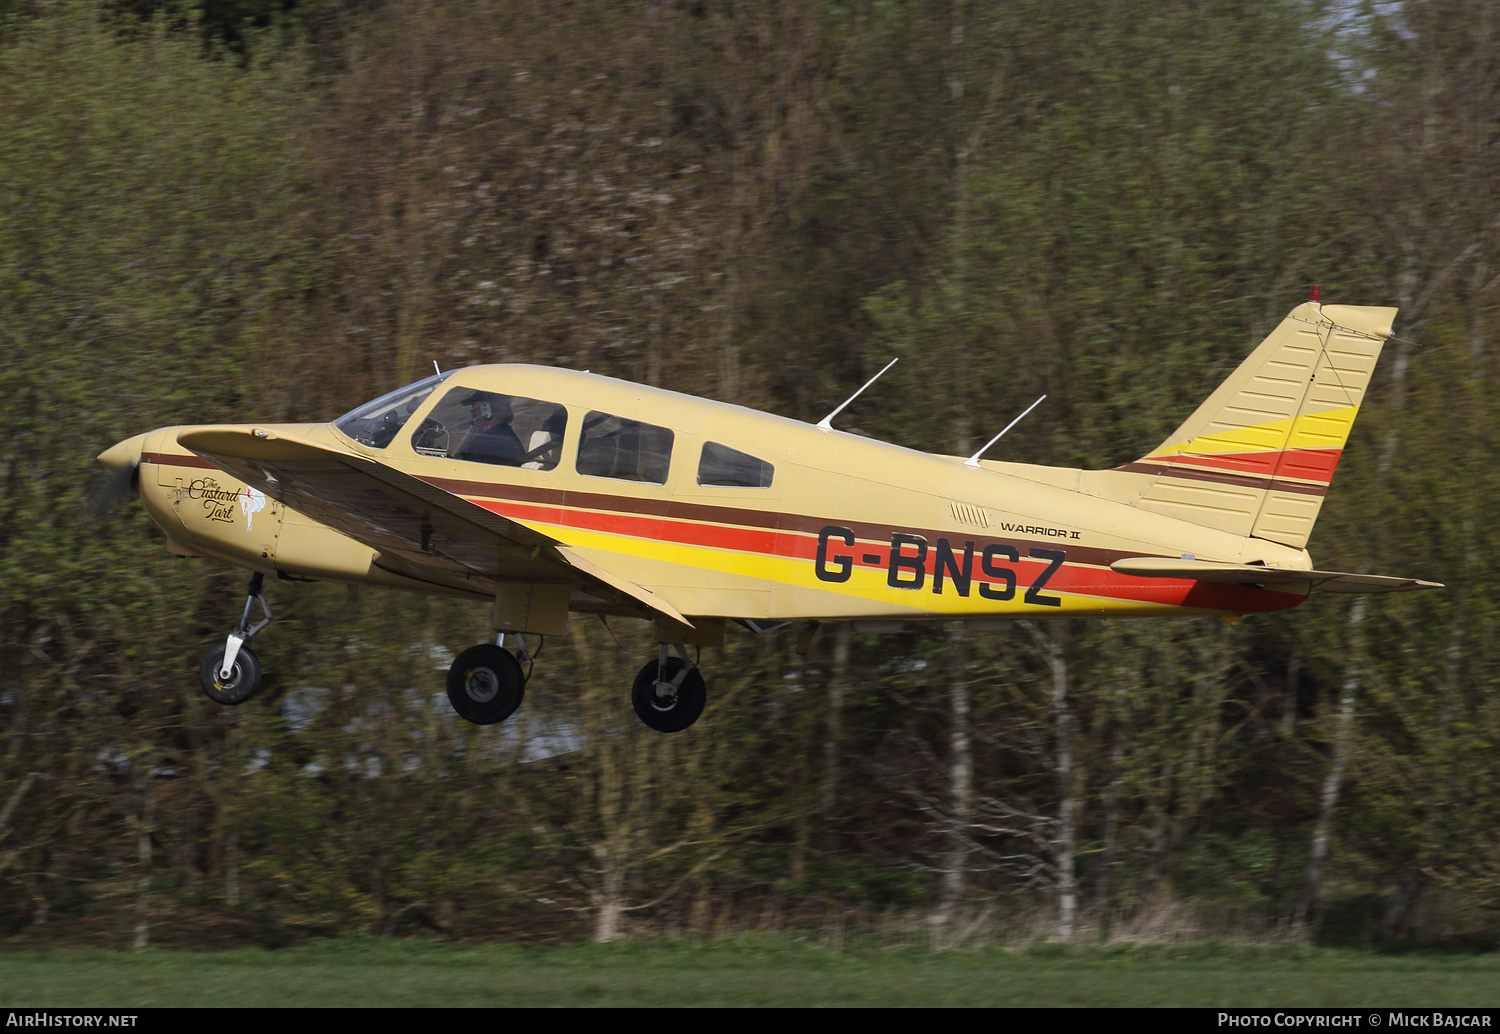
[1257,457]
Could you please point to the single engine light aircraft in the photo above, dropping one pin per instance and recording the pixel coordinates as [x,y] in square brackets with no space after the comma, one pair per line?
[545,492]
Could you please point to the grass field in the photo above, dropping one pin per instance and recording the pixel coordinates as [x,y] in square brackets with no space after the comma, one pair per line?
[744,972]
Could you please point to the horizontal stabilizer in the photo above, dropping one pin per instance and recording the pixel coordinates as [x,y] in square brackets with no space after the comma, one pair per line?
[1271,577]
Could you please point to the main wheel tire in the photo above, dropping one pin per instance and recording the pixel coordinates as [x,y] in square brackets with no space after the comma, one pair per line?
[671,713]
[244,678]
[485,685]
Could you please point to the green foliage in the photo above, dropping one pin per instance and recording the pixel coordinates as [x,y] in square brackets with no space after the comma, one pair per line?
[149,241]
[759,202]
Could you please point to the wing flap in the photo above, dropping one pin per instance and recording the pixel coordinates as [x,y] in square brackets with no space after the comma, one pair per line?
[639,593]
[1257,574]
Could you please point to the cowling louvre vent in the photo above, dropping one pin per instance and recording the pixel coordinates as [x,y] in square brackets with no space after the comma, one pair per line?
[968,513]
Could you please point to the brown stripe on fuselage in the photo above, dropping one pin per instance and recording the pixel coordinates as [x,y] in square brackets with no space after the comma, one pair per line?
[1225,478]
[174,460]
[770,519]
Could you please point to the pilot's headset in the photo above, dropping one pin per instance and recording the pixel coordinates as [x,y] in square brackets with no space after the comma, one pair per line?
[486,406]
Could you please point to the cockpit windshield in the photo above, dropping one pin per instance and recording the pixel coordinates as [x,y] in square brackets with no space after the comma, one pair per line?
[376,423]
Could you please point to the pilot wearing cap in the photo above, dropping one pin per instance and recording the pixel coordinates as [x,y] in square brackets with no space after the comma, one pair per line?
[490,438]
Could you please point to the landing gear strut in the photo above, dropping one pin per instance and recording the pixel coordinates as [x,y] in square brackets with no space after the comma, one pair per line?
[669,693]
[486,683]
[231,674]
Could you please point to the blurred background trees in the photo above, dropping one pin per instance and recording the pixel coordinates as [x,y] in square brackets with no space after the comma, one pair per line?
[282,208]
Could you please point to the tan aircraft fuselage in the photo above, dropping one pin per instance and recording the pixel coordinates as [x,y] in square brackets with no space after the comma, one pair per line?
[848,528]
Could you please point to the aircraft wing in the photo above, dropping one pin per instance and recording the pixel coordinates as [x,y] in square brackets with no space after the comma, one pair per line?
[403,516]
[1271,577]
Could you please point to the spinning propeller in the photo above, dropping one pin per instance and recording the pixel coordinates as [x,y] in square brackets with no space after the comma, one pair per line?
[121,480]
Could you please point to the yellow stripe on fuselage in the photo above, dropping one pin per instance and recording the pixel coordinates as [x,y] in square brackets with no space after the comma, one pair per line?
[865,583]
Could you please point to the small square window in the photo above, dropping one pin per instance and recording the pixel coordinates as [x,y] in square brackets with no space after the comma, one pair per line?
[729,468]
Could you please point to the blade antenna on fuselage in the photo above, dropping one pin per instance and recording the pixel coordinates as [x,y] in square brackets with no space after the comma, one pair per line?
[827,421]
[973,461]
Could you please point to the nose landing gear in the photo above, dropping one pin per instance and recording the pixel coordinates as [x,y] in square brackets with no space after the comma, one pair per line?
[231,674]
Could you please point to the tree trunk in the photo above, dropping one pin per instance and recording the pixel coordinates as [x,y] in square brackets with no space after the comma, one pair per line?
[608,904]
[1331,783]
[1062,723]
[835,730]
[960,779]
[1393,923]
[1289,695]
[232,869]
[1109,817]
[143,852]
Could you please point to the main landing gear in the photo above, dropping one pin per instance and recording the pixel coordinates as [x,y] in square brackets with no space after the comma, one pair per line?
[487,683]
[669,693]
[231,674]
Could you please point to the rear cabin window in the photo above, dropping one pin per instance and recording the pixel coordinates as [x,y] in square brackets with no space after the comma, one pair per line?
[614,447]
[491,427]
[729,468]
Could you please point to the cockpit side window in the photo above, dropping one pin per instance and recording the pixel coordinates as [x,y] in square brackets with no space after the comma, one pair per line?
[729,468]
[377,423]
[490,427]
[614,447]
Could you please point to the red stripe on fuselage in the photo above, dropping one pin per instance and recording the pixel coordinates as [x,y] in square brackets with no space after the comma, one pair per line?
[1073,578]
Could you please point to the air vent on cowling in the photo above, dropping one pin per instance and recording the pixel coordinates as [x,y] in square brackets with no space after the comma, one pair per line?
[968,513]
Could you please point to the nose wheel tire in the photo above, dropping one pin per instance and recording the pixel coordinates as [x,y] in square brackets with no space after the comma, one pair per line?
[662,707]
[485,685]
[243,681]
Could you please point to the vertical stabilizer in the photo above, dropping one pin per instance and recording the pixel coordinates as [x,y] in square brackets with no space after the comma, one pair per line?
[1257,457]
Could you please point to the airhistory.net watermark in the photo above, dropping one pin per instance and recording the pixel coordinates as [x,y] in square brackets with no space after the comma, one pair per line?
[42,1018]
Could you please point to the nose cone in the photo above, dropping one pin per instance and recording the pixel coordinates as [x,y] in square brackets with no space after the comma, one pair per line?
[123,454]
